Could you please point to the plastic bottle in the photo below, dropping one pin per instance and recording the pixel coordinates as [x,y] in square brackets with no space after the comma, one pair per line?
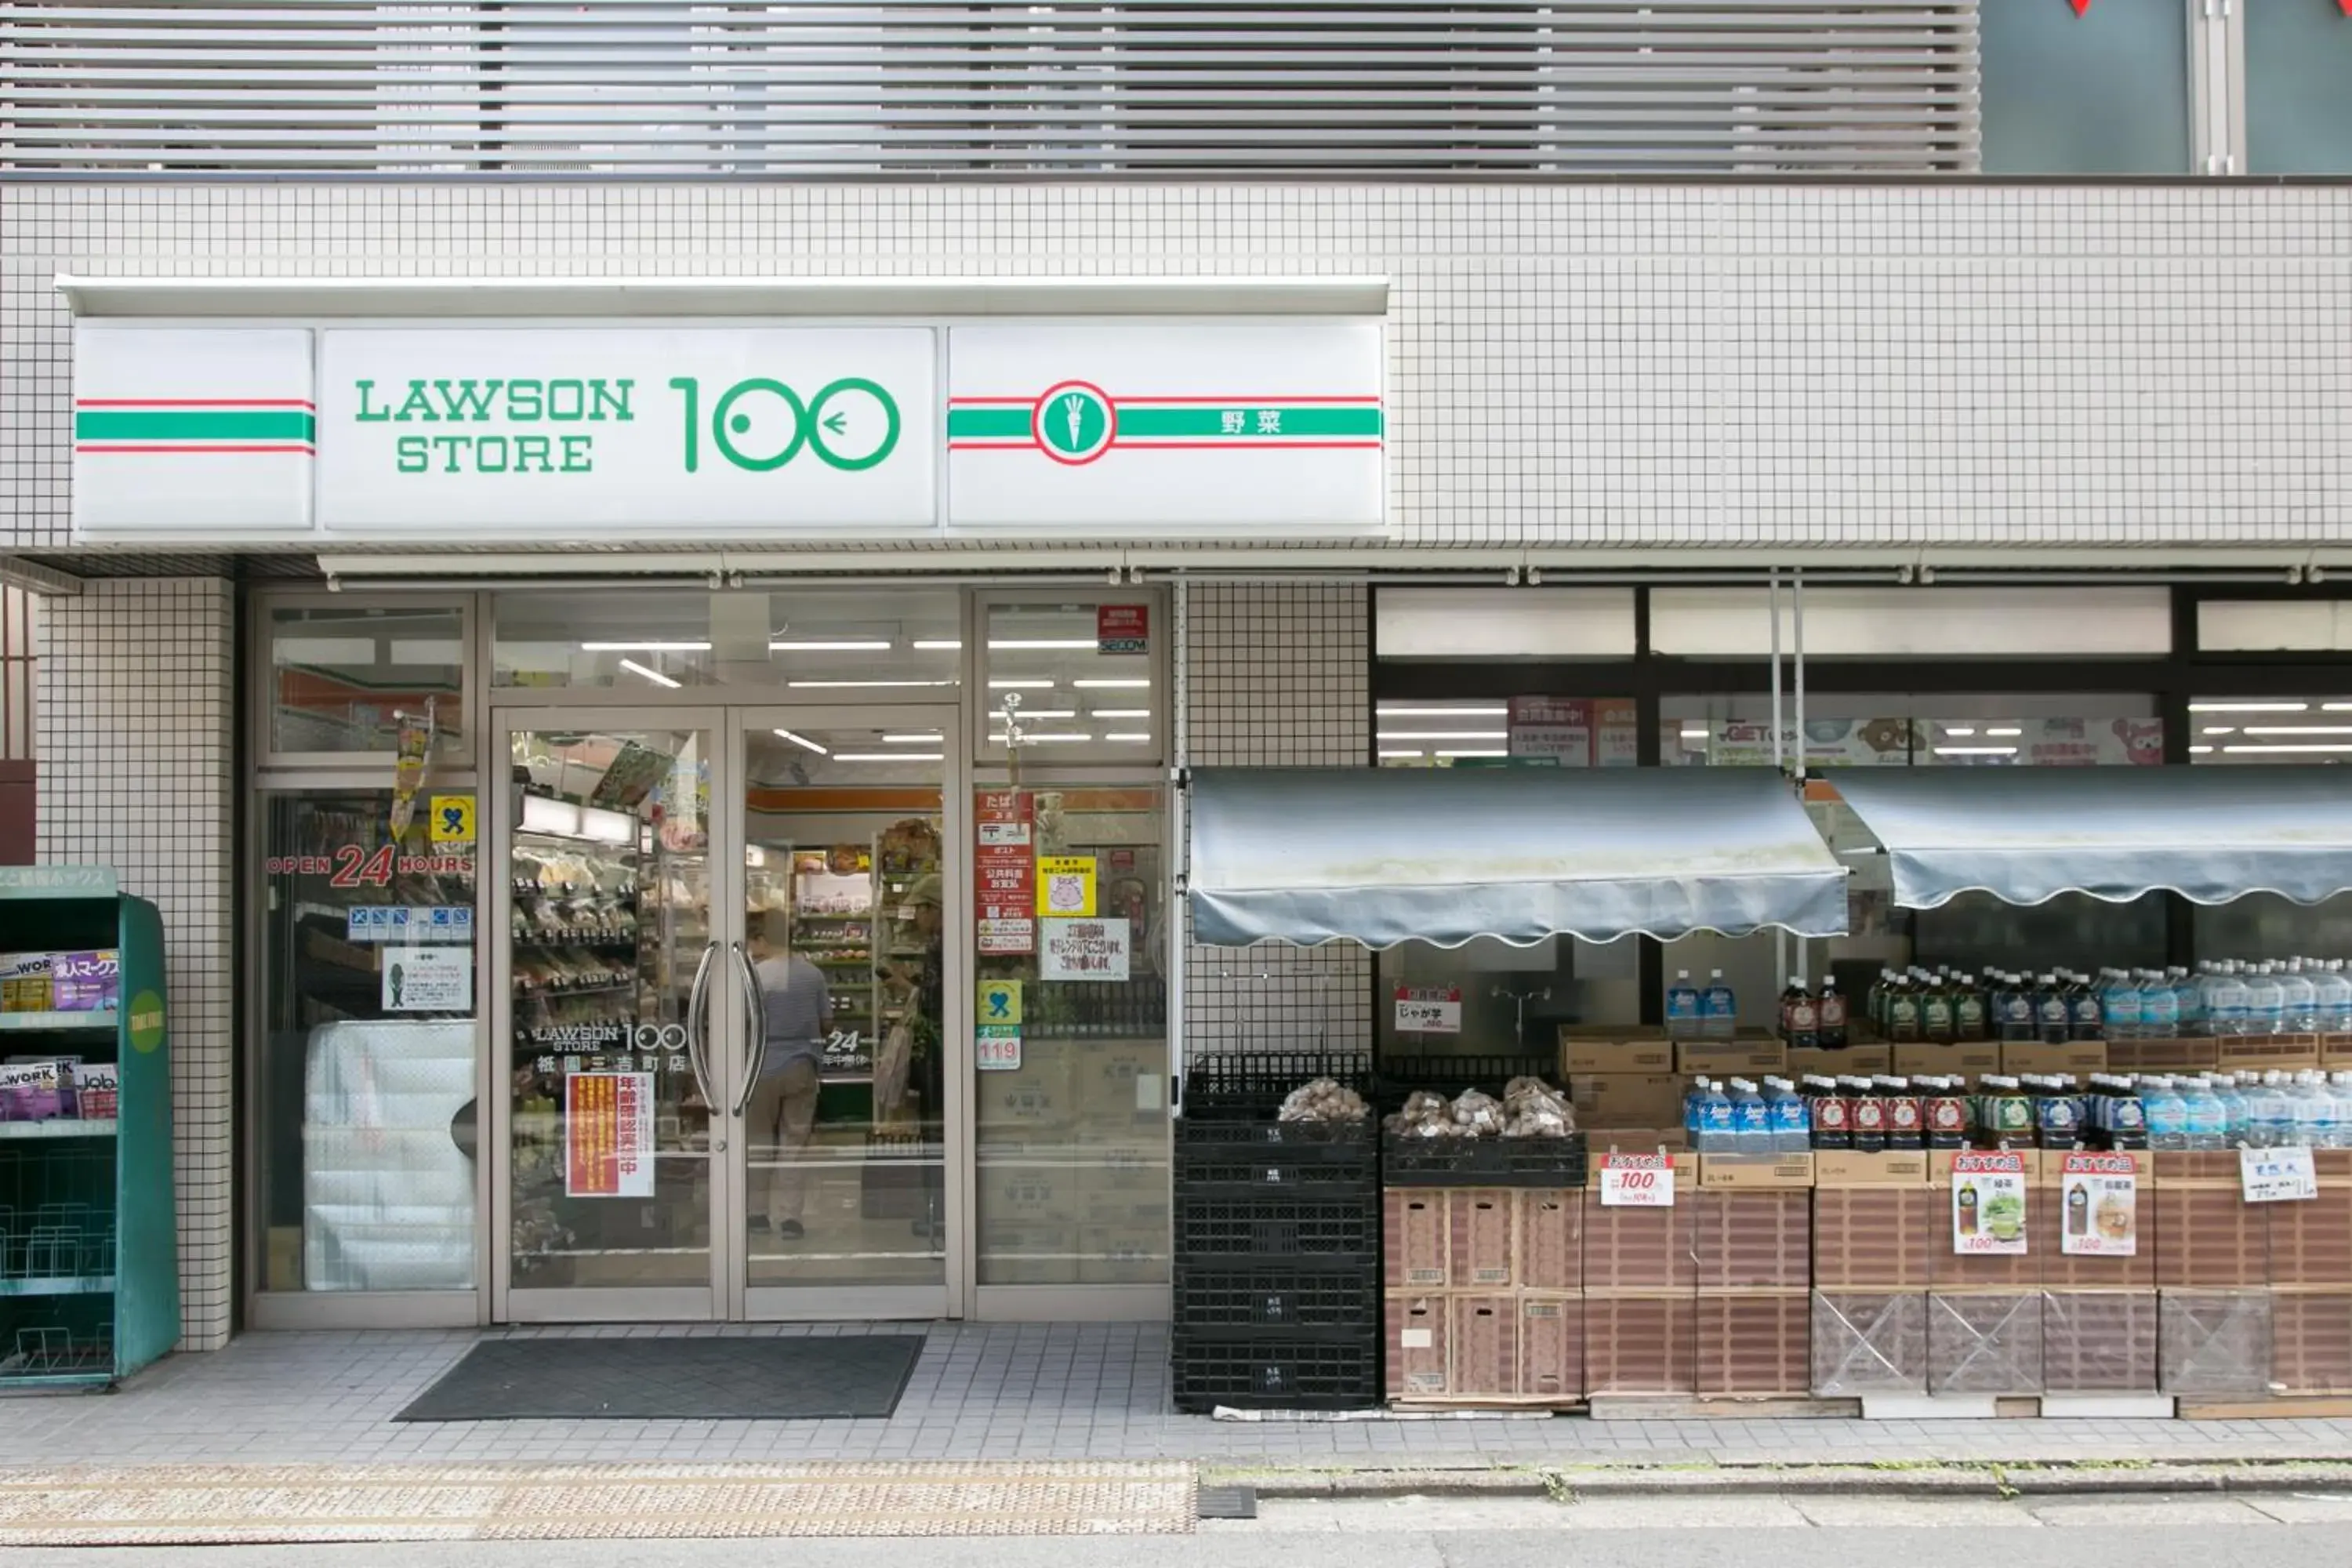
[1751,1119]
[1906,1125]
[2333,998]
[2053,1012]
[2300,1012]
[1830,1111]
[2159,1006]
[1970,1020]
[1830,1007]
[2209,1119]
[1800,1017]
[2119,1003]
[1869,1115]
[1943,1112]
[2226,1002]
[1693,1120]
[2126,1115]
[2188,1003]
[1792,1131]
[2017,1025]
[2315,1111]
[2265,1002]
[2085,1020]
[2168,1116]
[2232,1096]
[2270,1115]
[1937,1025]
[1716,1130]
[1719,1009]
[2004,1113]
[1902,1011]
[1682,1007]
[2339,1087]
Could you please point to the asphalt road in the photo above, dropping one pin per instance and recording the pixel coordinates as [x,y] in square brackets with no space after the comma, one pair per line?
[1699,1533]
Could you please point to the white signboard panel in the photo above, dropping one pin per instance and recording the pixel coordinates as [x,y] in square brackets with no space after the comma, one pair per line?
[1182,427]
[627,433]
[192,432]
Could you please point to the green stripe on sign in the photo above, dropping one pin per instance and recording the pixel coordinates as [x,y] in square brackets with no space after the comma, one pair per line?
[194,424]
[1246,422]
[988,424]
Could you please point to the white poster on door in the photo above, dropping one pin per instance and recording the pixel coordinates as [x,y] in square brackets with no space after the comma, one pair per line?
[428,980]
[1082,950]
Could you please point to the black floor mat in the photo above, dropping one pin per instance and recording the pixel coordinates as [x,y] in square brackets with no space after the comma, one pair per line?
[728,1378]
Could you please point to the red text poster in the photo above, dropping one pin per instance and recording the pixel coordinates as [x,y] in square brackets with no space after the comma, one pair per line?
[1123,629]
[1004,872]
[608,1135]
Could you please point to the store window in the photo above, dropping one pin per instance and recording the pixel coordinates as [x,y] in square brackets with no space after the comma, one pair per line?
[2274,625]
[1518,732]
[830,644]
[1081,681]
[1072,1048]
[1503,625]
[368,1082]
[342,679]
[2243,731]
[2095,90]
[2298,111]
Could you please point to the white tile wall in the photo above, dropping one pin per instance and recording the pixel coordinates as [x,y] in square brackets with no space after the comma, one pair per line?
[1624,364]
[1279,677]
[137,773]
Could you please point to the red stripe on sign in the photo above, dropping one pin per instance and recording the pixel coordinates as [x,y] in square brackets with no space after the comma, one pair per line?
[1262,441]
[195,402]
[203,447]
[1269,399]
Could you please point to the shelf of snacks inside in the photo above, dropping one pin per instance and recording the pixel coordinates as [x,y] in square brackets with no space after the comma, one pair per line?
[61,1127]
[46,1022]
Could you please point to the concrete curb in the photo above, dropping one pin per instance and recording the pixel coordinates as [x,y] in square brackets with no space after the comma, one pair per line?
[1568,1482]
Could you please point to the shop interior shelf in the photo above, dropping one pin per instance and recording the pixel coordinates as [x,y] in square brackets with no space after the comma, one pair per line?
[60,1285]
[37,1023]
[59,1127]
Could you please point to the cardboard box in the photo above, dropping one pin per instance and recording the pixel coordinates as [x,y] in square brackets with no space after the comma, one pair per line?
[1552,1346]
[1641,1341]
[1418,1330]
[1484,1227]
[1875,1238]
[1417,1229]
[1984,1342]
[2076,1058]
[1754,1342]
[1130,1253]
[2279,1053]
[2100,1342]
[1584,1049]
[1839,1064]
[1612,1100]
[1869,1342]
[1551,1239]
[1754,1241]
[2335,1051]
[1744,1056]
[1939,1164]
[1971,1060]
[1769,1172]
[1849,1168]
[2163,1055]
[1484,1342]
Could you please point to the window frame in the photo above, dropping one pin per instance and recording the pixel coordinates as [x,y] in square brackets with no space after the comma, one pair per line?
[262,608]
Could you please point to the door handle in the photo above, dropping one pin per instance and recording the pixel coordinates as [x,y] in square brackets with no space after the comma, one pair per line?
[756,1006]
[695,1000]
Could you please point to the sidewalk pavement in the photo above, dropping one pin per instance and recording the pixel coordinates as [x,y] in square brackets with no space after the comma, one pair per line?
[997,1392]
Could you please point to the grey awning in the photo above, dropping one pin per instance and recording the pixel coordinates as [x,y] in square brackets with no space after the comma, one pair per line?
[1381,856]
[2027,834]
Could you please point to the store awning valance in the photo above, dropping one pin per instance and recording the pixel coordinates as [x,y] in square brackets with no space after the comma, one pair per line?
[2027,834]
[1380,855]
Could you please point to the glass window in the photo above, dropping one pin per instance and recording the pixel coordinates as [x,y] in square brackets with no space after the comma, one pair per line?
[341,678]
[2274,625]
[1072,1014]
[1914,623]
[2241,731]
[368,1126]
[2298,110]
[1081,680]
[2101,92]
[1921,730]
[824,643]
[1521,731]
[1496,624]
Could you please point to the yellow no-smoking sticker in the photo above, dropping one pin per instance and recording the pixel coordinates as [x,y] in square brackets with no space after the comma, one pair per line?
[453,819]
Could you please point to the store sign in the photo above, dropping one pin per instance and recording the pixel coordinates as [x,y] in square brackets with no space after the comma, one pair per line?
[996,1048]
[1988,1205]
[2098,1202]
[1004,872]
[2277,1175]
[608,1135]
[1187,427]
[1574,733]
[1429,1010]
[1637,1181]
[1122,629]
[650,431]
[1083,950]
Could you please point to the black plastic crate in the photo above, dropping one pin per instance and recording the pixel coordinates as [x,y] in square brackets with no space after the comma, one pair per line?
[1399,1076]
[1250,1086]
[1226,1221]
[1254,1369]
[1280,1296]
[1335,1142]
[1326,1167]
[1484,1161]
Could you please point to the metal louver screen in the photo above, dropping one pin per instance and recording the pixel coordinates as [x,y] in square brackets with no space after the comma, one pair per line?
[649,87]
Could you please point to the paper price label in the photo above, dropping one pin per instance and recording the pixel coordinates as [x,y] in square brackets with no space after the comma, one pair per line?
[2277,1175]
[1429,1010]
[1637,1182]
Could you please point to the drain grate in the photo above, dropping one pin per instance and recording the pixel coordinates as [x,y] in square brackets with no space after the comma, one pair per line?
[1228,1502]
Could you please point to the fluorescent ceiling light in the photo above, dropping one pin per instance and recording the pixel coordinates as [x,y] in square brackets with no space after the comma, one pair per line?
[1128,738]
[890,757]
[2310,746]
[2219,730]
[1976,751]
[2198,750]
[323,650]
[1694,734]
[1048,713]
[1107,685]
[1473,753]
[939,645]
[845,646]
[858,685]
[2248,706]
[1032,644]
[2338,707]
[541,815]
[802,741]
[1445,735]
[1122,713]
[2004,730]
[924,739]
[1041,740]
[1479,710]
[1959,729]
[1401,753]
[1020,683]
[645,647]
[656,676]
[2299,730]
[607,826]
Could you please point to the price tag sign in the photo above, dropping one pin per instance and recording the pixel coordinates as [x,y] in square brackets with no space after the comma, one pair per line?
[1427,1010]
[1988,1205]
[1637,1182]
[2099,1205]
[2277,1175]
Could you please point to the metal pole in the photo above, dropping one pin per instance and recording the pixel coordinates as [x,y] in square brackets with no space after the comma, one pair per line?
[1797,626]
[1180,733]
[1780,763]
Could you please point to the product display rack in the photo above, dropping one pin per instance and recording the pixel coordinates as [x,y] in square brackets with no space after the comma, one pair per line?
[89,1287]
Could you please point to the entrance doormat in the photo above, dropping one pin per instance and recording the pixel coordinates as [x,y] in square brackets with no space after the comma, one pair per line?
[791,1378]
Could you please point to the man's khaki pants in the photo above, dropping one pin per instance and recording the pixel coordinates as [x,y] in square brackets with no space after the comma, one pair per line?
[782,1115]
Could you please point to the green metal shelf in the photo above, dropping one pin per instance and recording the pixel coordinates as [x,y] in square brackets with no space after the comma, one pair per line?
[107,1020]
[61,1127]
[61,1285]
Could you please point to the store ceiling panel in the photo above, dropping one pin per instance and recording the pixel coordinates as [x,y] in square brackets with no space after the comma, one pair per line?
[2027,834]
[1381,856]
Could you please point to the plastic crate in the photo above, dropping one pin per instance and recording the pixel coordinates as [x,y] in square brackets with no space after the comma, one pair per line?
[1250,1086]
[1278,1155]
[1230,1222]
[1399,1076]
[1275,1169]
[1284,1294]
[1276,1370]
[1484,1161]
